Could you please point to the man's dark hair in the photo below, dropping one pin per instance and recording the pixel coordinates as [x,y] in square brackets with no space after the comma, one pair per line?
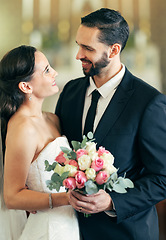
[113,27]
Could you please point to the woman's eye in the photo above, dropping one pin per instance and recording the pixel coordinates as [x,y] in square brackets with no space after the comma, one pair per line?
[47,70]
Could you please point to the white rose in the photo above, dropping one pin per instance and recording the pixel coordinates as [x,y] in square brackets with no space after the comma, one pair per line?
[84,162]
[110,168]
[90,173]
[92,155]
[91,148]
[108,158]
[72,170]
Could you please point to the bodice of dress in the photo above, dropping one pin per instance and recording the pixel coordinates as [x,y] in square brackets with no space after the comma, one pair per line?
[37,176]
[59,223]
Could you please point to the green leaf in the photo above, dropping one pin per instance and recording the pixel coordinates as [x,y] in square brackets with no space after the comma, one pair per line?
[72,155]
[57,186]
[65,150]
[91,187]
[83,144]
[46,163]
[127,182]
[90,135]
[76,145]
[48,182]
[109,183]
[114,176]
[118,188]
[49,167]
[64,175]
[56,177]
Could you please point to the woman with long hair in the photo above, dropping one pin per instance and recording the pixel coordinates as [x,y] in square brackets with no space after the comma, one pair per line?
[29,137]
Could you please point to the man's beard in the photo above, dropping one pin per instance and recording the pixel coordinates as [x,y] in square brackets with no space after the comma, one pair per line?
[96,70]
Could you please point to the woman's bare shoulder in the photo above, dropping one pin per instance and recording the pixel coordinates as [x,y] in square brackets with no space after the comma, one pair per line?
[21,125]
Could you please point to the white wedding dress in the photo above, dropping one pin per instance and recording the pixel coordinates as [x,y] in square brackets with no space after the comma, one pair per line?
[12,223]
[59,223]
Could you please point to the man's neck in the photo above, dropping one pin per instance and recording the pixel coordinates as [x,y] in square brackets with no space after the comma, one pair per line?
[107,75]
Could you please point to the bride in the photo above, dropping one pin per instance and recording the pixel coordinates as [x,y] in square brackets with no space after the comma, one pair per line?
[29,137]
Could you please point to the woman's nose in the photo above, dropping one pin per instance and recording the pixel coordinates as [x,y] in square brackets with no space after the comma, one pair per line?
[55,73]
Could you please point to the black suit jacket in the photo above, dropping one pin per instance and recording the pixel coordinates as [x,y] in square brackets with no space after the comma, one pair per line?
[133,129]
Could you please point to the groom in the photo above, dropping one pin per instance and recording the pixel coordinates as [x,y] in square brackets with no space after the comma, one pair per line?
[130,122]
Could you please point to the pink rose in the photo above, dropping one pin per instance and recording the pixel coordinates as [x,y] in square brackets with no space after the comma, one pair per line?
[80,179]
[81,152]
[97,164]
[101,151]
[72,162]
[69,183]
[102,177]
[60,158]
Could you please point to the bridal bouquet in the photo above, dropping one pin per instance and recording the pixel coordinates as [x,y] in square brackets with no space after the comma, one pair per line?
[86,169]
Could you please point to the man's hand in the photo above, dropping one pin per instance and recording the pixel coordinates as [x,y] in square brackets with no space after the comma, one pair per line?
[99,202]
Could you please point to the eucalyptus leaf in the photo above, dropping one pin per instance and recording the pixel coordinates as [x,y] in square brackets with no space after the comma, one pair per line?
[118,188]
[122,183]
[49,167]
[56,177]
[84,141]
[114,176]
[110,183]
[128,183]
[65,150]
[76,145]
[48,182]
[50,187]
[73,155]
[64,175]
[57,186]
[90,135]
[46,163]
[91,187]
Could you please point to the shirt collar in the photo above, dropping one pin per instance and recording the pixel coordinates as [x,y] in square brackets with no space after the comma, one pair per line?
[109,86]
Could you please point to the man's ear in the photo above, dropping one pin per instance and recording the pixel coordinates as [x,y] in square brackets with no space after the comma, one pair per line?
[25,87]
[115,50]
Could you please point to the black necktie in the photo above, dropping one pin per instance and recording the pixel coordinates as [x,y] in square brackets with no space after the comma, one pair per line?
[88,127]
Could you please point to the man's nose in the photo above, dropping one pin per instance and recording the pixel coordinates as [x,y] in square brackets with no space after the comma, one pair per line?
[80,54]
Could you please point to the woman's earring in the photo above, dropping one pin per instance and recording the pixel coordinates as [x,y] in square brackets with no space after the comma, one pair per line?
[30,98]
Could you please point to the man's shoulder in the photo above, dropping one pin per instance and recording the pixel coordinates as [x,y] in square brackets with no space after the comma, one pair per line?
[140,85]
[77,80]
[76,83]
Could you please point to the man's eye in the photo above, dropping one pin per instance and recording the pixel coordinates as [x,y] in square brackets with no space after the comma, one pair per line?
[89,49]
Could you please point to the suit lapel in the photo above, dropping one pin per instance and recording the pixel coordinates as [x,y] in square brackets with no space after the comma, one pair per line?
[115,107]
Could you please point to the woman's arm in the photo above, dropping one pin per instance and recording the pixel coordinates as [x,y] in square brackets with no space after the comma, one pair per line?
[22,143]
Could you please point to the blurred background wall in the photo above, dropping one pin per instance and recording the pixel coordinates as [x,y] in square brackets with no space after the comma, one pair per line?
[51,25]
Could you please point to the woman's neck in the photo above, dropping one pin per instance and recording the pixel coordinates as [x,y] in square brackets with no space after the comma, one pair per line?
[31,109]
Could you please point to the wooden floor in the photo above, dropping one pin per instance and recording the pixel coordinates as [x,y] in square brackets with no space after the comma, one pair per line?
[161,209]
